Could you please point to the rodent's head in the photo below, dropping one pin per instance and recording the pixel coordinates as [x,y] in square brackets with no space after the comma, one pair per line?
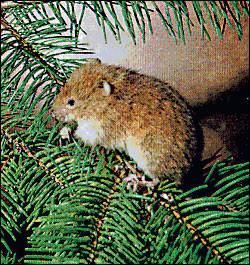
[85,95]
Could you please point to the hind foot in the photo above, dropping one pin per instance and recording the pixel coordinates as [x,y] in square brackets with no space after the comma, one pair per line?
[134,181]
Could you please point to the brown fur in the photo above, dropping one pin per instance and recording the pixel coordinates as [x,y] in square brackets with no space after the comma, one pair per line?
[141,111]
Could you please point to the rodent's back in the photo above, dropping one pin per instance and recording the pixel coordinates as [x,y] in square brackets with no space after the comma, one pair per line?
[156,117]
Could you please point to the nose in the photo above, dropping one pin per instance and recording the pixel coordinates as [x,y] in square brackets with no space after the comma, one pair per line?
[59,113]
[63,111]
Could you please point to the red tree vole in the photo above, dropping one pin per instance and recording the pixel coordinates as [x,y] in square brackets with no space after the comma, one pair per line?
[141,115]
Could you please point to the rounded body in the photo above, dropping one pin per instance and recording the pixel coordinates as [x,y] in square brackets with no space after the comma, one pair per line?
[141,115]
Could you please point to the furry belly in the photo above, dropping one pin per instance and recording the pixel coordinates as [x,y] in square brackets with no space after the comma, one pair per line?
[90,131]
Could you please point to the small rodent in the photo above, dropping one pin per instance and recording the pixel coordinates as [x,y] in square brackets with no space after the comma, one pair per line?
[121,109]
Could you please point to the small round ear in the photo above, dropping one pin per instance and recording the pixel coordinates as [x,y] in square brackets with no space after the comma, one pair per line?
[106,87]
[94,61]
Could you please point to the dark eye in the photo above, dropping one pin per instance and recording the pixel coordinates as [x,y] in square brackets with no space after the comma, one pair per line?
[71,102]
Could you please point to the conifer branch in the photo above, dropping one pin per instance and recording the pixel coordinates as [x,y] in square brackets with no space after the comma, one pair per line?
[106,204]
[196,234]
[21,147]
[32,52]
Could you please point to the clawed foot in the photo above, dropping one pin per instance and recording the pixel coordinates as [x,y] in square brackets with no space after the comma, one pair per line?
[65,134]
[133,180]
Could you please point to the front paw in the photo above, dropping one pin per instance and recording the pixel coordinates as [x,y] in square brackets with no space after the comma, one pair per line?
[65,133]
